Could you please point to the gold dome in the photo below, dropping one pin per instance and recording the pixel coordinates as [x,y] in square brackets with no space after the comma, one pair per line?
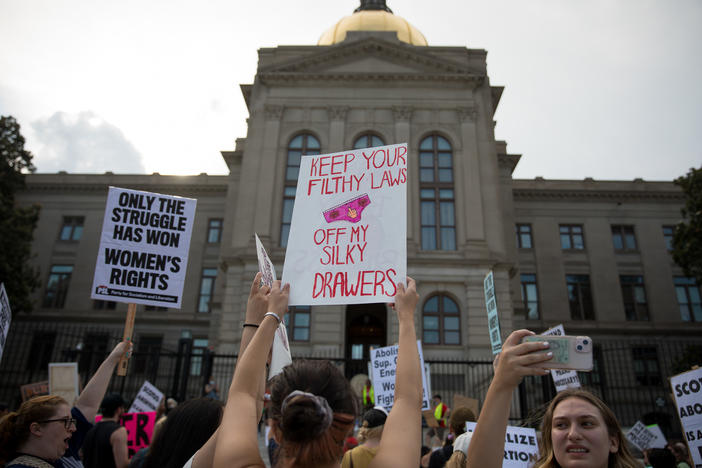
[373,20]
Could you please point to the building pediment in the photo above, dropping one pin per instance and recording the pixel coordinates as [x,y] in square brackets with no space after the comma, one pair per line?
[371,58]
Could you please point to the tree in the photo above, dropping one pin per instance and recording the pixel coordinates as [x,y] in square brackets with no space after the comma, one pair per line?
[687,237]
[17,223]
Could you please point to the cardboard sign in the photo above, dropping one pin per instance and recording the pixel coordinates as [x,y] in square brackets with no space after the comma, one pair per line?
[644,438]
[687,391]
[429,418]
[144,247]
[470,403]
[562,379]
[348,236]
[384,367]
[5,317]
[63,380]
[521,446]
[140,429]
[147,400]
[280,355]
[34,389]
[493,319]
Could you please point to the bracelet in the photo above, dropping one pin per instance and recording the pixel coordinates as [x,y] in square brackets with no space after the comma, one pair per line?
[249,325]
[272,314]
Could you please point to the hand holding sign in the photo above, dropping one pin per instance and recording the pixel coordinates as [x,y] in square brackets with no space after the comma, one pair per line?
[257,304]
[519,360]
[406,300]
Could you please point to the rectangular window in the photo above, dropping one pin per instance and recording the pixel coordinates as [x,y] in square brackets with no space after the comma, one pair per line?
[57,286]
[148,351]
[297,321]
[571,236]
[104,305]
[580,297]
[646,368]
[199,346]
[209,275]
[523,236]
[634,295]
[668,232]
[42,349]
[288,204]
[688,292]
[530,296]
[623,238]
[214,231]
[93,352]
[72,228]
[438,223]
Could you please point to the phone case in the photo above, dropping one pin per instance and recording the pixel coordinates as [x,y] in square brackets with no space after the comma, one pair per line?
[569,352]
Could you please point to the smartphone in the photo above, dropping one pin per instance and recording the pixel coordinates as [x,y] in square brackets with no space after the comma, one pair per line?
[569,352]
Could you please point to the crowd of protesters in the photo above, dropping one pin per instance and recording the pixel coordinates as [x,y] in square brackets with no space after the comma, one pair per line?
[314,418]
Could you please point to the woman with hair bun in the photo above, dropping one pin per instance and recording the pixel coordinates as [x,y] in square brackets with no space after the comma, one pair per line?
[369,437]
[37,434]
[312,405]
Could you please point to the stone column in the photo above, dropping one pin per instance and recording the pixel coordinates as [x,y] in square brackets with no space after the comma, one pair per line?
[469,195]
[337,124]
[402,116]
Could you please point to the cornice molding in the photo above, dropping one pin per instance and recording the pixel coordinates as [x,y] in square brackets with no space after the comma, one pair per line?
[467,114]
[337,112]
[508,161]
[272,78]
[68,187]
[555,194]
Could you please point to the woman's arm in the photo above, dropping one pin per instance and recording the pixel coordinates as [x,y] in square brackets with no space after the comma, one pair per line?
[237,442]
[400,442]
[516,360]
[256,307]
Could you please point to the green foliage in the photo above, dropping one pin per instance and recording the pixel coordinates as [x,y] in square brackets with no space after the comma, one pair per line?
[17,224]
[687,238]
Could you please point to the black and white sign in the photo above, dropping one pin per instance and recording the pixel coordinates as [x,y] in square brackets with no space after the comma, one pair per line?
[5,317]
[687,391]
[148,399]
[383,368]
[144,246]
[644,437]
[521,446]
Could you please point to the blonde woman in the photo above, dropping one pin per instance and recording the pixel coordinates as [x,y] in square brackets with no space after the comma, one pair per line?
[369,437]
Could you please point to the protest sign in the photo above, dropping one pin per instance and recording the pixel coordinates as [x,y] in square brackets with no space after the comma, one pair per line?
[63,380]
[470,403]
[493,319]
[384,367]
[562,379]
[660,440]
[34,389]
[5,317]
[148,399]
[280,355]
[348,235]
[140,429]
[143,249]
[687,391]
[644,438]
[521,446]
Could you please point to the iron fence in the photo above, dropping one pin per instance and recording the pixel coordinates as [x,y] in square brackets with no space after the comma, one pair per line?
[630,375]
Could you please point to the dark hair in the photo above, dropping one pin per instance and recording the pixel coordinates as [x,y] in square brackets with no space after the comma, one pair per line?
[297,428]
[620,459]
[14,427]
[459,416]
[110,404]
[186,429]
[437,396]
[661,458]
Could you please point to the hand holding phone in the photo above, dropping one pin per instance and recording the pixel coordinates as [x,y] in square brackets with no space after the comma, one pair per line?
[569,352]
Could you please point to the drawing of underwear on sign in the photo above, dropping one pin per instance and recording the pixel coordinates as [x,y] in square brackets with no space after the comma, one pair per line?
[350,210]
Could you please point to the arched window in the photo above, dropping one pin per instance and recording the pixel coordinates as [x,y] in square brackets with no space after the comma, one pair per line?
[436,194]
[368,140]
[300,145]
[441,321]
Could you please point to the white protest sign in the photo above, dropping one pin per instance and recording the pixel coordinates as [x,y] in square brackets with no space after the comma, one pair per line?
[348,235]
[562,379]
[280,356]
[63,380]
[5,317]
[144,246]
[493,319]
[687,391]
[383,368]
[642,437]
[521,446]
[660,440]
[147,400]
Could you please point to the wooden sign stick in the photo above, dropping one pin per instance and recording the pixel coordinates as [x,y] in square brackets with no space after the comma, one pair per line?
[128,330]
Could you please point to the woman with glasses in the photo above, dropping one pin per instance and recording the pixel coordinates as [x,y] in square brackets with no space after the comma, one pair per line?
[37,435]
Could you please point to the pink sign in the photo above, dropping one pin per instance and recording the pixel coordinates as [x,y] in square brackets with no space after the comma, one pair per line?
[140,428]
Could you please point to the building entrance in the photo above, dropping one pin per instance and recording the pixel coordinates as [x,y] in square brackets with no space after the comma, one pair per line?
[366,327]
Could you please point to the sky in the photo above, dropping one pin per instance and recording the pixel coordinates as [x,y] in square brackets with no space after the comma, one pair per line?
[610,89]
